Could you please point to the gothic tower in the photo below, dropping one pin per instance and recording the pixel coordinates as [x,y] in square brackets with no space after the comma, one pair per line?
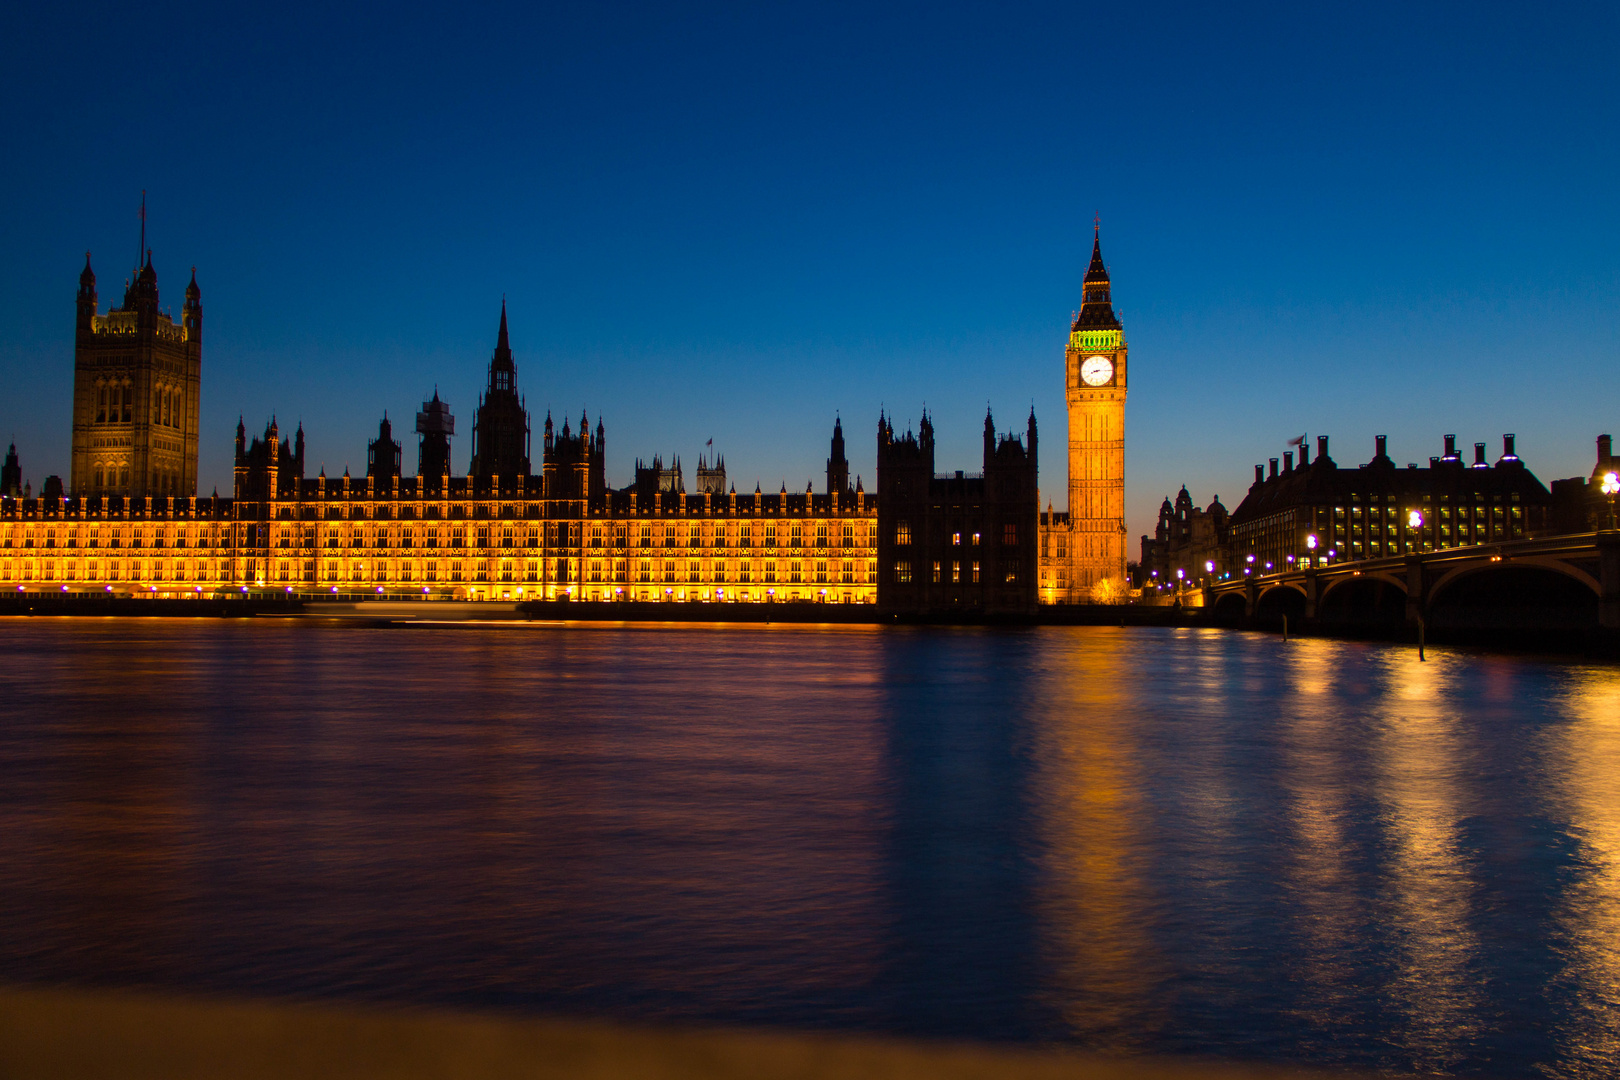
[501,425]
[136,378]
[838,464]
[435,424]
[1095,380]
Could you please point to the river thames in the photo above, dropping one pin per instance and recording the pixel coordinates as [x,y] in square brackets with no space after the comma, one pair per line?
[1169,841]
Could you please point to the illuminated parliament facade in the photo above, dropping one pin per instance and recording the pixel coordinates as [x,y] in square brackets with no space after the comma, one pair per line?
[534,518]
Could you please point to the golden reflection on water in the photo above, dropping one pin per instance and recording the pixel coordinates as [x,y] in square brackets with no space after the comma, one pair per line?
[1586,754]
[1088,800]
[1192,840]
[1420,753]
[1312,772]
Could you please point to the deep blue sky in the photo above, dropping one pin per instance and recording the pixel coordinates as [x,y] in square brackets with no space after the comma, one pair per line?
[734,222]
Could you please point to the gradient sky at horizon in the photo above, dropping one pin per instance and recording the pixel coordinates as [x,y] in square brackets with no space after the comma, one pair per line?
[715,221]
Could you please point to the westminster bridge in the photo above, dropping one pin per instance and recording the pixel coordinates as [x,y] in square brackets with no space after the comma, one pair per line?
[1556,582]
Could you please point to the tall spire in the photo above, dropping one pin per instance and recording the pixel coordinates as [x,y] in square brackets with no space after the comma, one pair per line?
[502,368]
[1097,309]
[141,251]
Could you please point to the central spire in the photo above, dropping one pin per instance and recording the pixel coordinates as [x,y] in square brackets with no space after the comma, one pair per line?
[502,368]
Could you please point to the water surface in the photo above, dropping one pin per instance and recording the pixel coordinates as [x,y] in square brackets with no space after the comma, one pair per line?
[1175,841]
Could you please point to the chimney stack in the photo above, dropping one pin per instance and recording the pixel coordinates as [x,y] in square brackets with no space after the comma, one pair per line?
[1605,448]
[1451,448]
[1479,455]
[1273,468]
[1259,474]
[1321,447]
[1304,452]
[1381,441]
[1288,462]
[1507,449]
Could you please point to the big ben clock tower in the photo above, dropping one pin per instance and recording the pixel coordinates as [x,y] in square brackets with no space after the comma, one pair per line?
[1095,380]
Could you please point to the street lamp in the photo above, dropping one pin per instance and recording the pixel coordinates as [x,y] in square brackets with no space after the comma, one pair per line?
[1414,523]
[1310,548]
[1611,485]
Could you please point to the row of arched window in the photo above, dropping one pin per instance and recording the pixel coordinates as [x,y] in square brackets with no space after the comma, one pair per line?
[115,404]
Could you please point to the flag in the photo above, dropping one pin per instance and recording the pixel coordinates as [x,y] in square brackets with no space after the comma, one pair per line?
[1297,442]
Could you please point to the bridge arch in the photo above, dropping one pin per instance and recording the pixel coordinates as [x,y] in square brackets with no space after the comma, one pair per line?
[1526,594]
[1231,605]
[1340,581]
[1363,600]
[1484,566]
[1282,598]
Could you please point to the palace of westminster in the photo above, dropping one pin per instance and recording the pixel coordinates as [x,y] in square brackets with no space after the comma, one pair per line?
[130,521]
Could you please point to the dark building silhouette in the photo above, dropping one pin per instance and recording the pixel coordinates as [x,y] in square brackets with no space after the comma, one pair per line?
[1579,504]
[501,426]
[956,543]
[574,465]
[657,478]
[268,468]
[1187,539]
[384,456]
[137,376]
[11,475]
[435,424]
[1381,509]
[837,463]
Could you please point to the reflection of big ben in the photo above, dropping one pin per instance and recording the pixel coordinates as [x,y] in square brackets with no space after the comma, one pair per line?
[1095,380]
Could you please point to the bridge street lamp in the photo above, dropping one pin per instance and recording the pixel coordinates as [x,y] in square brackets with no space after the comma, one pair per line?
[1310,548]
[1414,524]
[1611,485]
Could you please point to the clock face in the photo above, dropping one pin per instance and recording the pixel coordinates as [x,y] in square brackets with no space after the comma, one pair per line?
[1096,370]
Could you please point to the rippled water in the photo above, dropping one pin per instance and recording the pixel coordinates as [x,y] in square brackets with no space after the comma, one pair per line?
[1168,840]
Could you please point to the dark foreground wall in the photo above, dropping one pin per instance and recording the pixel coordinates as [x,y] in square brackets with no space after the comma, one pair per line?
[48,604]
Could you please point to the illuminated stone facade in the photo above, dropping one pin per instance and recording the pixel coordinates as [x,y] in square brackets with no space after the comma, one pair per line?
[560,533]
[136,378]
[154,545]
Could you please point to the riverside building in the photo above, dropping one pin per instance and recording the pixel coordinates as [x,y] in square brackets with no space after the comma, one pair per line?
[131,521]
[502,532]
[1318,510]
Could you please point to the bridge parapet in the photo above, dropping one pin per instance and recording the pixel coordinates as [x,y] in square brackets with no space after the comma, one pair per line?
[1593,559]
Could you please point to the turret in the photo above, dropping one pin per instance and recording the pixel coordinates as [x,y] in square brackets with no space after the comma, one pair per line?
[435,424]
[11,475]
[383,455]
[837,463]
[87,296]
[191,317]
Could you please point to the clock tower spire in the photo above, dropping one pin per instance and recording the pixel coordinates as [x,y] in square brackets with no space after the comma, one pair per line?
[1095,382]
